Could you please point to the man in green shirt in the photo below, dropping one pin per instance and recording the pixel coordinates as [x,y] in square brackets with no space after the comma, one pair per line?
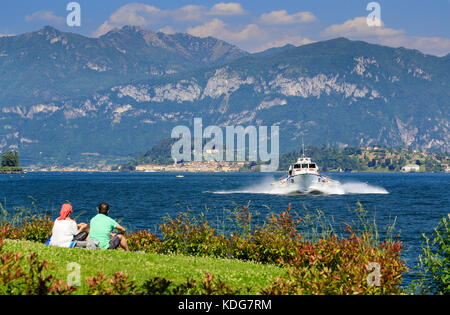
[101,227]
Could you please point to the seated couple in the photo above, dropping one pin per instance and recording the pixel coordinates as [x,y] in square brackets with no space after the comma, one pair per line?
[67,233]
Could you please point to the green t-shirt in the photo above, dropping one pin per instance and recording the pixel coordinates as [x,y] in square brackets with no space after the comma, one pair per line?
[100,228]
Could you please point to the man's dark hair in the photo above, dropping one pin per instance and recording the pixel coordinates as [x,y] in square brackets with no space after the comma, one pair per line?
[103,208]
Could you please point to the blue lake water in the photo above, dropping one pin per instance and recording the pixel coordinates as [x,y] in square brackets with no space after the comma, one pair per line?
[142,200]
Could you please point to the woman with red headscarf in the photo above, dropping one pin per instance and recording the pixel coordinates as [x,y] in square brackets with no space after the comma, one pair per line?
[66,231]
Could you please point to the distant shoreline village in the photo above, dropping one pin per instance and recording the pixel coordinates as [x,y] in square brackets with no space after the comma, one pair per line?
[158,160]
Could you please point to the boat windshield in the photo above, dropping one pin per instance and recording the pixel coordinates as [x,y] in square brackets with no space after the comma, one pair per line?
[297,166]
[312,165]
[304,165]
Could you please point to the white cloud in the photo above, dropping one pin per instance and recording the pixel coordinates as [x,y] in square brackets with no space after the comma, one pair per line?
[189,13]
[167,30]
[103,29]
[227,9]
[134,14]
[219,29]
[273,29]
[357,28]
[438,46]
[293,40]
[283,18]
[250,37]
[45,16]
[138,14]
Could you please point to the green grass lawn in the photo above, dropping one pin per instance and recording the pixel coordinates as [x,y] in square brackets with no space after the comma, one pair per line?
[140,267]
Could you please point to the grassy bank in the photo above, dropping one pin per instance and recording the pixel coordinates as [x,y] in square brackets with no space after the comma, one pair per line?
[140,267]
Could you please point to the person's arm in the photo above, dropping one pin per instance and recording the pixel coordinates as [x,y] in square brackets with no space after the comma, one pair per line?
[120,228]
[74,228]
[81,227]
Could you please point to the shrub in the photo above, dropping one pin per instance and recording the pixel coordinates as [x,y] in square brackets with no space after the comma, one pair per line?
[117,284]
[30,280]
[8,231]
[144,241]
[158,286]
[208,286]
[434,263]
[186,235]
[36,228]
[278,240]
[334,266]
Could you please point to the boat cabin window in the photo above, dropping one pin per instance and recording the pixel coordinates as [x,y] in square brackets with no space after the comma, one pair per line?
[304,165]
[312,165]
[297,166]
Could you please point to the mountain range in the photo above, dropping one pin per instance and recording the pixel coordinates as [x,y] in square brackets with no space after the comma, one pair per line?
[64,96]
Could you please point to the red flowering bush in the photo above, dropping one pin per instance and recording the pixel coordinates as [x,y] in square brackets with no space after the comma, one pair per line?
[434,263]
[144,241]
[346,266]
[36,228]
[27,276]
[186,235]
[8,231]
[117,284]
[31,228]
[276,241]
[209,285]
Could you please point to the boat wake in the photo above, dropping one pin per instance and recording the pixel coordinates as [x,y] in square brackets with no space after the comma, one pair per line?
[350,188]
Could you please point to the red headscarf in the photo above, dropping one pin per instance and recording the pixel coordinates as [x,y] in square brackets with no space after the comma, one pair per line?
[66,210]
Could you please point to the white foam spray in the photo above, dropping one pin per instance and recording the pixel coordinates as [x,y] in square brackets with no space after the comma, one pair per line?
[265,187]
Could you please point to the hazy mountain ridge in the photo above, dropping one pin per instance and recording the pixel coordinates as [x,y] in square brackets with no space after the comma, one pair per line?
[337,92]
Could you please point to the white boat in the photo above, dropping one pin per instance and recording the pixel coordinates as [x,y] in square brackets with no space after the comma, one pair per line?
[304,177]
[180,176]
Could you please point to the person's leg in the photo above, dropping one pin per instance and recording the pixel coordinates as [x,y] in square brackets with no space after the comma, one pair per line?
[123,242]
[114,242]
[81,236]
[80,244]
[118,240]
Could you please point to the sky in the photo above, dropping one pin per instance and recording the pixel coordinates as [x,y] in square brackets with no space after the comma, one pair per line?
[253,25]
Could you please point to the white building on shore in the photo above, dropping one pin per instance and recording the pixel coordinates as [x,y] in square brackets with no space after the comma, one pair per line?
[411,168]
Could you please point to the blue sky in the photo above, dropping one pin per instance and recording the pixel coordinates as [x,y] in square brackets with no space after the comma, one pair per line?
[253,25]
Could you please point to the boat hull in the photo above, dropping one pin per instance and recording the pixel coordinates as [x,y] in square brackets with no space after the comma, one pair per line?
[307,183]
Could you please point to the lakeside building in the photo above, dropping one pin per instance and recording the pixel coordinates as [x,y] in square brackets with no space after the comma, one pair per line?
[198,167]
[411,168]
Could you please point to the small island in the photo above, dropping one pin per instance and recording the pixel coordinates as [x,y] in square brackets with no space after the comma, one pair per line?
[10,163]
